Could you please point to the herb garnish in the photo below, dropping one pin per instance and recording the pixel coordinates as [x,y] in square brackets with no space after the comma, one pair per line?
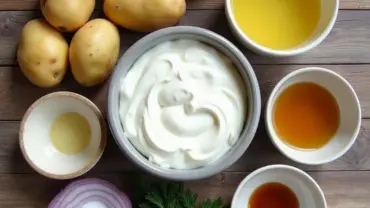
[175,195]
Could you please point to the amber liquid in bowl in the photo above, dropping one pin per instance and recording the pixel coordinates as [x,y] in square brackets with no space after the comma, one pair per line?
[306,116]
[273,195]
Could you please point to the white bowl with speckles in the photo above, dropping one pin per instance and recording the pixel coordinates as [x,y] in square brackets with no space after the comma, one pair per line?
[36,145]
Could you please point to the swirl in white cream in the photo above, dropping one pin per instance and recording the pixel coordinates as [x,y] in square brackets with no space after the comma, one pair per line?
[182,104]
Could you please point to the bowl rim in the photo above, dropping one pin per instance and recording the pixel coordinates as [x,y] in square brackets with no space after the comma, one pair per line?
[271,168]
[134,52]
[103,138]
[270,103]
[263,50]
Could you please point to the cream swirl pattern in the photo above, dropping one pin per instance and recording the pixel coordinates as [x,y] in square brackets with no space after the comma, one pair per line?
[182,104]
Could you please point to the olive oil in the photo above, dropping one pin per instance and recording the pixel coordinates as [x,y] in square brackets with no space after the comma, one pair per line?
[277,24]
[306,115]
[273,195]
[70,133]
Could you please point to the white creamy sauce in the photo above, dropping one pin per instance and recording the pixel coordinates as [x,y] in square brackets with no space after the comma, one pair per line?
[183,104]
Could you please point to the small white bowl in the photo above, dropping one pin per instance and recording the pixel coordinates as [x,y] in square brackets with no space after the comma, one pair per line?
[349,108]
[306,189]
[329,13]
[36,145]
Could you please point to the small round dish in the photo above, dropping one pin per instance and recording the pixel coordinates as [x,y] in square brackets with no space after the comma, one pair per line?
[36,145]
[246,73]
[329,13]
[349,110]
[306,189]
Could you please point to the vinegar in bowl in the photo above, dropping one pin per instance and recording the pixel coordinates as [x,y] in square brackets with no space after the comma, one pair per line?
[273,195]
[306,116]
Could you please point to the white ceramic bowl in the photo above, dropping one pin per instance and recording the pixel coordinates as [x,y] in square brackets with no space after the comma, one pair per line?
[350,115]
[305,188]
[329,12]
[36,144]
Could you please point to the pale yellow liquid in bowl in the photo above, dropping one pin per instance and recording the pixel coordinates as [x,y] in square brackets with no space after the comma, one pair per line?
[277,24]
[70,133]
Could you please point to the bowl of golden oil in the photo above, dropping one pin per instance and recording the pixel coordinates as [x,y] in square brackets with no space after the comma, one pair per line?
[281,28]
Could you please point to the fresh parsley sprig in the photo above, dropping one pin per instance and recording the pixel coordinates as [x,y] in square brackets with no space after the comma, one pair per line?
[175,195]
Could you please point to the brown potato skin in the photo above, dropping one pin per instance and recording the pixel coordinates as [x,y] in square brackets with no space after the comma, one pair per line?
[94,52]
[67,15]
[144,15]
[42,54]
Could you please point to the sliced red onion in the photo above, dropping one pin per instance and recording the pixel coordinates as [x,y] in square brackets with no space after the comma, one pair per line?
[90,193]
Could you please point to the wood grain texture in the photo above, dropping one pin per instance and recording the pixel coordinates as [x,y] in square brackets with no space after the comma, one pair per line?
[355,4]
[219,4]
[191,4]
[342,189]
[260,153]
[345,181]
[348,43]
[17,93]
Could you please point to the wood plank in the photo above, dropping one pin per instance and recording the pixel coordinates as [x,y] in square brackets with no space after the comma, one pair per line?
[355,4]
[219,4]
[348,42]
[12,161]
[19,4]
[17,94]
[260,153]
[335,185]
[357,75]
[19,190]
[191,4]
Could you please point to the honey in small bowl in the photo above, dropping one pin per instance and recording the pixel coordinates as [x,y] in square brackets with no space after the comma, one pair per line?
[306,116]
[273,195]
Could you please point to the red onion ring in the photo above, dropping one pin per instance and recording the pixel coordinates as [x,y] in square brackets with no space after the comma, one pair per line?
[90,193]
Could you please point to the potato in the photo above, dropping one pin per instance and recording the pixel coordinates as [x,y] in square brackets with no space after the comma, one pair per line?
[67,15]
[144,15]
[42,53]
[94,52]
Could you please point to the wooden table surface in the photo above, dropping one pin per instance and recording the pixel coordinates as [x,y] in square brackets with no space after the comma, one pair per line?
[345,182]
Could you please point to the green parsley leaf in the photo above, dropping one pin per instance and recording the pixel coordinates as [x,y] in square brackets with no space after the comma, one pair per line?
[174,195]
[212,204]
[188,199]
[155,198]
